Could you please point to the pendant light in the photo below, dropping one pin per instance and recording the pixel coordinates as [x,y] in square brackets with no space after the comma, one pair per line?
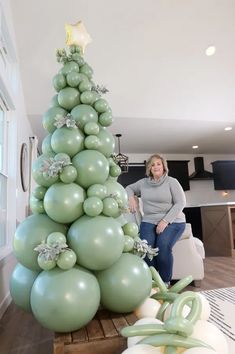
[121,159]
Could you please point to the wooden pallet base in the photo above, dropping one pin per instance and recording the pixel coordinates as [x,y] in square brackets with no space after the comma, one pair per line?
[101,335]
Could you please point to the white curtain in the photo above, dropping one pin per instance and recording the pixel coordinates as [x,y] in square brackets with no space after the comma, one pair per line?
[33,154]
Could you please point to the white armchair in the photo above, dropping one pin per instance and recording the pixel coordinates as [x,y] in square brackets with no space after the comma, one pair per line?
[188,253]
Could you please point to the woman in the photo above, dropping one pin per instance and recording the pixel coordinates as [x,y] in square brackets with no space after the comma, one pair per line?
[163,221]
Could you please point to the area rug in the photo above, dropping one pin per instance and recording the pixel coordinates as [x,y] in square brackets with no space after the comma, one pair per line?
[222,302]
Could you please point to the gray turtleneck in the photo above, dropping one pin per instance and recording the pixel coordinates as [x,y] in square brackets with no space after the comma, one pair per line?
[162,199]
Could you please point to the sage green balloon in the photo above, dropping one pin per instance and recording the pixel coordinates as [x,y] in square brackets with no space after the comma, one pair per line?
[97,241]
[61,156]
[97,190]
[29,234]
[65,300]
[92,168]
[84,114]
[89,97]
[126,284]
[110,207]
[36,205]
[69,67]
[85,85]
[78,58]
[91,128]
[73,79]
[131,229]
[21,283]
[46,264]
[106,119]
[39,192]
[68,174]
[67,140]
[129,243]
[93,206]
[101,105]
[39,176]
[87,70]
[59,82]
[68,98]
[116,188]
[115,171]
[92,142]
[66,259]
[54,101]
[49,118]
[56,238]
[107,143]
[46,145]
[63,202]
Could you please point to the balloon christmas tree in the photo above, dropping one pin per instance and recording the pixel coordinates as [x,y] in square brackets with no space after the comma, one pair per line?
[76,250]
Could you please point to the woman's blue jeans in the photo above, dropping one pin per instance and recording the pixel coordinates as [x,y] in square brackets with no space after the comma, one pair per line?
[165,241]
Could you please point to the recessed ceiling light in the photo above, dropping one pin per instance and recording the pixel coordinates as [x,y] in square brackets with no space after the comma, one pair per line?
[228,128]
[195,147]
[210,51]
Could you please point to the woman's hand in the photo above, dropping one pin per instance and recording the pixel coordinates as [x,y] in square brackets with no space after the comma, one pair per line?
[133,204]
[161,226]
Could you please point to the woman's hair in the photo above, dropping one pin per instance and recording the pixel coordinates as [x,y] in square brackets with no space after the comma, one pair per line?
[150,161]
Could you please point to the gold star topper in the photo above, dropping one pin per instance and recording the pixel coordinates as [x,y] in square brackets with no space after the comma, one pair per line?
[77,35]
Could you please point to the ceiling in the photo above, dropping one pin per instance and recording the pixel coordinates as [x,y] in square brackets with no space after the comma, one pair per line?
[165,93]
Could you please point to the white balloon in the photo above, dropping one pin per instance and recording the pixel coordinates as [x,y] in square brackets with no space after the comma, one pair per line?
[200,350]
[149,308]
[210,334]
[132,341]
[206,309]
[143,349]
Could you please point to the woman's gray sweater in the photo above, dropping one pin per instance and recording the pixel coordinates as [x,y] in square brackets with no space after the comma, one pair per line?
[162,199]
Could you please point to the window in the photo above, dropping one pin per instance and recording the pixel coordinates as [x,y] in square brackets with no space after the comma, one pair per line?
[3,174]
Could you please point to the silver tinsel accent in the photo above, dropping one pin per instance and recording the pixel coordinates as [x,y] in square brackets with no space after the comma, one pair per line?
[52,167]
[50,253]
[99,89]
[142,249]
[67,120]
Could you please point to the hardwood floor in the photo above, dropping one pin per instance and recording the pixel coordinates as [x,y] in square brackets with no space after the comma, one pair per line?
[20,333]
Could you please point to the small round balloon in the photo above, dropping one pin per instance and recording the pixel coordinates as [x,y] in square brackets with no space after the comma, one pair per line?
[110,207]
[107,143]
[59,82]
[97,190]
[131,229]
[39,174]
[93,206]
[68,174]
[66,259]
[39,192]
[56,238]
[65,300]
[49,118]
[69,67]
[46,264]
[106,119]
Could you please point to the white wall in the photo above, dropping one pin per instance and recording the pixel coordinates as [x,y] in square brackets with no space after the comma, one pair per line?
[200,192]
[20,130]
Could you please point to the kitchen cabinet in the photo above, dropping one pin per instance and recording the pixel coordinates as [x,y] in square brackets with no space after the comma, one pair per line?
[218,228]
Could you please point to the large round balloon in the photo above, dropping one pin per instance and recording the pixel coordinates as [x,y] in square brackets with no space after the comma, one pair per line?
[97,241]
[40,177]
[49,118]
[67,140]
[126,284]
[92,167]
[83,114]
[68,98]
[29,234]
[63,202]
[65,300]
[21,283]
[117,189]
[107,143]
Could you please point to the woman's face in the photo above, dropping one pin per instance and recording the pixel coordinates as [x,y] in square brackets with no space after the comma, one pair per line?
[157,169]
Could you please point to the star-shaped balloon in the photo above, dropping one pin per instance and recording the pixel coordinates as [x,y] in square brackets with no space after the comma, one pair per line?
[77,35]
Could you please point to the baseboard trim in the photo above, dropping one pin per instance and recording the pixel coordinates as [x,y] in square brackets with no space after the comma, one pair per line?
[4,304]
